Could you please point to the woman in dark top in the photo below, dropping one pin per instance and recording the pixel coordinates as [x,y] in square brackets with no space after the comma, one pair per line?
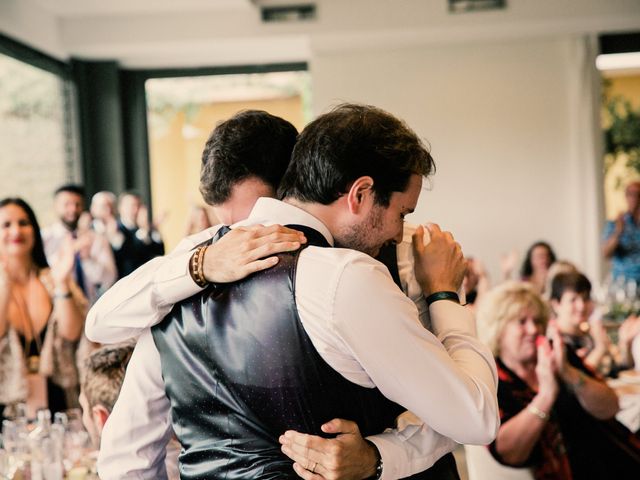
[557,415]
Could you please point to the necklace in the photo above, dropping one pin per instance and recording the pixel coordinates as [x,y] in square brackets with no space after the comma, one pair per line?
[32,361]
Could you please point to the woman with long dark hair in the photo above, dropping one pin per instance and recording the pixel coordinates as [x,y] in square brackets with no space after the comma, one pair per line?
[41,316]
[535,267]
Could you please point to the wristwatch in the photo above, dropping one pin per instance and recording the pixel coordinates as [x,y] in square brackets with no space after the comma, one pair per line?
[378,474]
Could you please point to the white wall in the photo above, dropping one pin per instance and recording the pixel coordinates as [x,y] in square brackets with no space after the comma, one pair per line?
[497,118]
[26,21]
[499,95]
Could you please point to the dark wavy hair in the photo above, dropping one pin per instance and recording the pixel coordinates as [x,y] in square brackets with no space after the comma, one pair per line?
[527,269]
[251,143]
[349,142]
[37,253]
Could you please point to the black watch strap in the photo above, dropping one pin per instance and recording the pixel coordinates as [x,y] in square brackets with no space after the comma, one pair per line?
[451,296]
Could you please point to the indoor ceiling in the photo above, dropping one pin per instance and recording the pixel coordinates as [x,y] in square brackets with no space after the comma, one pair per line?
[191,33]
[83,8]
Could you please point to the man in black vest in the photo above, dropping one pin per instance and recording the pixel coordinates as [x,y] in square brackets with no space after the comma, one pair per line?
[244,159]
[253,355]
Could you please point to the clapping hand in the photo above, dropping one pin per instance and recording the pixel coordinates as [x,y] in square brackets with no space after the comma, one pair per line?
[62,268]
[508,264]
[546,369]
[629,329]
[619,225]
[143,219]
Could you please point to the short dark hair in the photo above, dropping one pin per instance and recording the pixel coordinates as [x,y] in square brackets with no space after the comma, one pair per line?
[569,282]
[526,270]
[37,253]
[104,374]
[349,142]
[251,143]
[71,188]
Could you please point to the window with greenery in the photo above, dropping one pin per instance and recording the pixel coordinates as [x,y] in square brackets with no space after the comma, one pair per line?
[36,133]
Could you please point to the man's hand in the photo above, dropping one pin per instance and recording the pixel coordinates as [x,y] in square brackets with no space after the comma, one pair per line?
[246,250]
[439,265]
[348,456]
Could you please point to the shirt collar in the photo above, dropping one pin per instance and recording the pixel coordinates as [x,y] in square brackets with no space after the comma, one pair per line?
[268,211]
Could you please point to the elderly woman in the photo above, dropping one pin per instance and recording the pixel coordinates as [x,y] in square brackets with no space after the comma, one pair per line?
[557,417]
[41,317]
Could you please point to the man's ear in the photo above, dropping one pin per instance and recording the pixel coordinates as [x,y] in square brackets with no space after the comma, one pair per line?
[359,193]
[100,415]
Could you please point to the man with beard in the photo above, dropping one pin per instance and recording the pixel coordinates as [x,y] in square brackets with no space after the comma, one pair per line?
[94,266]
[368,227]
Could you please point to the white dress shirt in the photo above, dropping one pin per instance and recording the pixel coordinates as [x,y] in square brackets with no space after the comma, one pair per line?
[357,319]
[99,268]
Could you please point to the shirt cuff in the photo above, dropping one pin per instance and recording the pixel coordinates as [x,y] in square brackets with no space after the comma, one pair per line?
[173,282]
[449,317]
[400,459]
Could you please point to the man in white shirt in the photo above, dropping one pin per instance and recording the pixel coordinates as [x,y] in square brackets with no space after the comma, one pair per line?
[477,387]
[94,268]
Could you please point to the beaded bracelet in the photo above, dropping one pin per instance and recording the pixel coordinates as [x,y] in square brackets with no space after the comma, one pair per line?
[196,266]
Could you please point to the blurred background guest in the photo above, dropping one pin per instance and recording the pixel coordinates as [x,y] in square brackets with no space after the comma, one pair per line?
[104,374]
[476,282]
[198,220]
[140,241]
[622,238]
[535,266]
[94,268]
[556,268]
[571,303]
[557,417]
[41,316]
[103,214]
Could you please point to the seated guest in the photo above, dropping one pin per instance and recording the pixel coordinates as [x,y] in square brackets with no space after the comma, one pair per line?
[104,374]
[536,265]
[139,241]
[557,417]
[41,316]
[572,305]
[556,268]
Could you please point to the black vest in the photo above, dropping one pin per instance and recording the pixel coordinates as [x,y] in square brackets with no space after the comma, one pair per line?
[239,370]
